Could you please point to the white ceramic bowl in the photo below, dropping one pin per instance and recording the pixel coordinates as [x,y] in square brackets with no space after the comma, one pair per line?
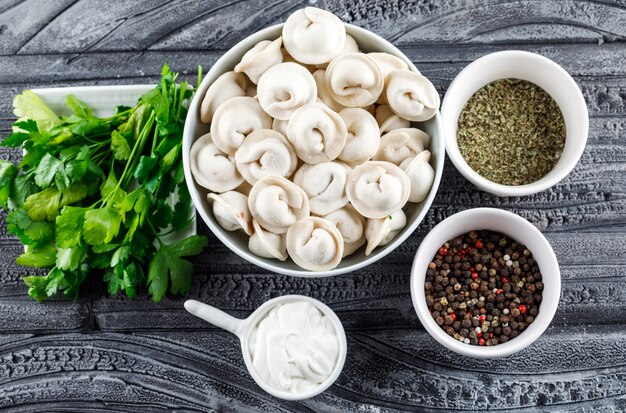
[536,69]
[237,241]
[244,328]
[514,227]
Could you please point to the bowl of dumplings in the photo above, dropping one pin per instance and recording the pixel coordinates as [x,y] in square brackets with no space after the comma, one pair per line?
[313,147]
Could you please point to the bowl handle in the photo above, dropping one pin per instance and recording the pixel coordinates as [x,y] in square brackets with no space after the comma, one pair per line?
[215,316]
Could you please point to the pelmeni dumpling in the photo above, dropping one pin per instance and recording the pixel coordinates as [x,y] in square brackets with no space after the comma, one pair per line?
[350,46]
[377,189]
[400,144]
[280,126]
[234,120]
[313,36]
[387,63]
[228,85]
[315,244]
[276,203]
[267,244]
[325,185]
[411,96]
[388,121]
[231,211]
[323,93]
[351,225]
[265,152]
[317,133]
[212,168]
[380,232]
[421,175]
[354,80]
[261,57]
[285,87]
[363,136]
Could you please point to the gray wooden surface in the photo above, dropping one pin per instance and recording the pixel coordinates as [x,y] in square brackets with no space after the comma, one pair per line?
[113,354]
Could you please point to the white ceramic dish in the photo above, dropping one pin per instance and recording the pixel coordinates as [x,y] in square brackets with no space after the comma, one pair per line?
[536,69]
[243,329]
[513,226]
[103,100]
[238,242]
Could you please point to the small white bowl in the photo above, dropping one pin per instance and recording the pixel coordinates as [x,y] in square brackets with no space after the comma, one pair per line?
[237,241]
[243,329]
[513,226]
[536,69]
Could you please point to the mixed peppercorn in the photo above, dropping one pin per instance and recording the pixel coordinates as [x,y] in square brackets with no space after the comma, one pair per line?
[483,288]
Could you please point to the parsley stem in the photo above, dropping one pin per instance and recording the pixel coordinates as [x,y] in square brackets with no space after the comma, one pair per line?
[139,143]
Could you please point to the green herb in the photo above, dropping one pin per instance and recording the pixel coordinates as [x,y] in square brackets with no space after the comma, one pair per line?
[96,196]
[511,132]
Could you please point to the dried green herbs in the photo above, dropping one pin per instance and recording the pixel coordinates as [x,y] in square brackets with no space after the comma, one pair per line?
[511,132]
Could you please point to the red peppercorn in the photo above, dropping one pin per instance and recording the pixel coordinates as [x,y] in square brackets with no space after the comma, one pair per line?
[479,335]
[481,341]
[505,280]
[481,318]
[443,251]
[522,309]
[472,269]
[479,244]
[474,275]
[453,316]
[499,291]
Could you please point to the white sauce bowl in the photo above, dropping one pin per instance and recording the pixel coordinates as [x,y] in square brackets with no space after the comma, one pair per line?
[244,328]
[536,69]
[238,241]
[513,226]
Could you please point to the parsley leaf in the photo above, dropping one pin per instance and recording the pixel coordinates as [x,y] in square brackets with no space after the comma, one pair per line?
[29,232]
[101,225]
[167,267]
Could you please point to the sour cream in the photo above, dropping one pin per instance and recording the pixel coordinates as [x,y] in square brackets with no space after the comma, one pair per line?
[294,347]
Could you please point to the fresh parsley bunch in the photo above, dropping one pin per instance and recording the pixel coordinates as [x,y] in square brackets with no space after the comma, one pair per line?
[99,195]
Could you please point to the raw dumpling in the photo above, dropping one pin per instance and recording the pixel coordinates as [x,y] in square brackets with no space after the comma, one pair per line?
[380,232]
[276,203]
[354,80]
[323,93]
[280,126]
[261,57]
[315,244]
[388,121]
[228,85]
[285,87]
[377,189]
[351,225]
[350,46]
[363,136]
[411,96]
[317,133]
[231,211]
[212,168]
[400,144]
[267,244]
[421,175]
[313,36]
[325,185]
[387,63]
[234,120]
[265,152]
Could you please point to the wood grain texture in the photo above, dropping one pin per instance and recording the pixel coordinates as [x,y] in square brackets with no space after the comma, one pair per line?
[113,354]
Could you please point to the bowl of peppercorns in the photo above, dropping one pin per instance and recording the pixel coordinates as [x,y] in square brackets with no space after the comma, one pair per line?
[485,283]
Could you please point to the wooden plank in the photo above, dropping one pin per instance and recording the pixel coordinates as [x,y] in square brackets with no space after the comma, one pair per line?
[405,370]
[215,25]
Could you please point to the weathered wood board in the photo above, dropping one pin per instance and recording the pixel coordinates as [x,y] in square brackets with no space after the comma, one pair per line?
[103,354]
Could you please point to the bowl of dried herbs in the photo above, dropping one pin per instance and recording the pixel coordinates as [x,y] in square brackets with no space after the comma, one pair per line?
[515,123]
